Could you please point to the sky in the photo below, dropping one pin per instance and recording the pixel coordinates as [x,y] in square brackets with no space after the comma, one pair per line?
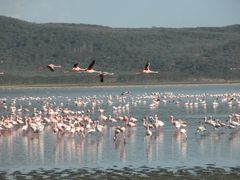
[126,13]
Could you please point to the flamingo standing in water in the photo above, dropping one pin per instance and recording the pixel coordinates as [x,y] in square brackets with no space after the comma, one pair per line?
[201,128]
[148,131]
[118,130]
[147,70]
[184,132]
[158,122]
[52,67]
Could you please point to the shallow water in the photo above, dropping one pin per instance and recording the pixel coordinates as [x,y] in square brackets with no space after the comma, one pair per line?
[165,149]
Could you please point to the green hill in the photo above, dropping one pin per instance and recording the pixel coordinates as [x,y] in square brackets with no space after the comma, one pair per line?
[179,54]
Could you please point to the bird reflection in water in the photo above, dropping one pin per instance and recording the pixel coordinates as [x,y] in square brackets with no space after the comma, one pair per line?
[234,142]
[159,140]
[95,147]
[180,140]
[8,134]
[120,146]
[148,148]
[34,146]
[59,148]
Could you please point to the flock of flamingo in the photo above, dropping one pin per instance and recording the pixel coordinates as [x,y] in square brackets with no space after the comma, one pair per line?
[84,115]
[101,74]
[82,122]
[76,68]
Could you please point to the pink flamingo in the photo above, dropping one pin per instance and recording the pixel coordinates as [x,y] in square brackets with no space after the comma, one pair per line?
[76,68]
[90,69]
[129,123]
[118,130]
[147,70]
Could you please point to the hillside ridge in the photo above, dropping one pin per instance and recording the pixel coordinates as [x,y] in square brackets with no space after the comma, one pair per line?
[179,54]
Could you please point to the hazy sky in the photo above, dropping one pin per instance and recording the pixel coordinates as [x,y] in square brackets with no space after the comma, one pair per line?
[126,13]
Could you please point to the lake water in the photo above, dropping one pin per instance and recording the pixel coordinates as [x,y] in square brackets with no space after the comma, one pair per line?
[166,148]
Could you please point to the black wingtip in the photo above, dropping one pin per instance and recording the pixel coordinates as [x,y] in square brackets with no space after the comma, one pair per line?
[50,68]
[91,65]
[101,78]
[75,65]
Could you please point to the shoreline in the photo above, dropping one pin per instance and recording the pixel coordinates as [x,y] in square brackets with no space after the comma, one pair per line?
[90,85]
[143,172]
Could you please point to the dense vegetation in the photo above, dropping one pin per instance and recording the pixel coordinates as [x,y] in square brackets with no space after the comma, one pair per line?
[179,54]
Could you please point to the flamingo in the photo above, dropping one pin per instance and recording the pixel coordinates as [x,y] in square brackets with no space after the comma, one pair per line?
[99,127]
[201,128]
[76,68]
[80,129]
[177,123]
[147,70]
[119,129]
[91,129]
[110,118]
[125,93]
[129,123]
[146,122]
[52,67]
[184,132]
[27,122]
[90,69]
[101,115]
[158,122]
[148,131]
[102,74]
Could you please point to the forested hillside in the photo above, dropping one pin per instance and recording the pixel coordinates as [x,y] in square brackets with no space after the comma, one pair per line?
[179,54]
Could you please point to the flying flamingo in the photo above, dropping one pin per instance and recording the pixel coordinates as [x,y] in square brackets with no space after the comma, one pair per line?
[102,74]
[52,67]
[76,68]
[147,70]
[89,69]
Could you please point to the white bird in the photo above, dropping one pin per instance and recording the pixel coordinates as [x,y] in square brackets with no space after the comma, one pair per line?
[184,132]
[201,128]
[52,67]
[99,127]
[148,131]
[110,118]
[158,122]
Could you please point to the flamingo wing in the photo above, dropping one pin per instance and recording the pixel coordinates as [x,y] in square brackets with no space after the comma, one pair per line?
[75,65]
[91,65]
[101,78]
[147,66]
[50,67]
